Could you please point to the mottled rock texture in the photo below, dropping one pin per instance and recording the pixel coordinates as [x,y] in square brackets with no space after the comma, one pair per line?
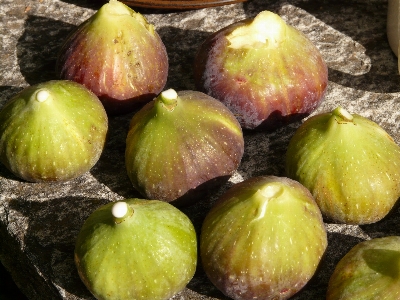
[39,222]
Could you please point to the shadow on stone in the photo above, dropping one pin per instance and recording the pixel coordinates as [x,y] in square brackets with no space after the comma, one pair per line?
[181,59]
[50,239]
[110,169]
[387,226]
[7,92]
[38,47]
[338,245]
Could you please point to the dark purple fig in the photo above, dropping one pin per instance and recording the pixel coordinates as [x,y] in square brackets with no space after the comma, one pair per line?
[118,55]
[53,131]
[266,71]
[370,270]
[181,142]
[136,249]
[350,165]
[263,239]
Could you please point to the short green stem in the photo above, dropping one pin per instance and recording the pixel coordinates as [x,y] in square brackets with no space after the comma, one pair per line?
[267,29]
[120,211]
[343,114]
[169,98]
[263,196]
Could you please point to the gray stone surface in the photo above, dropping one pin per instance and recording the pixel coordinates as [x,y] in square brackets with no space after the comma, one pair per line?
[39,222]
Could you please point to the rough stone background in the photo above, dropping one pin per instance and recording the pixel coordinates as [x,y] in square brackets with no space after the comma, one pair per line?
[39,222]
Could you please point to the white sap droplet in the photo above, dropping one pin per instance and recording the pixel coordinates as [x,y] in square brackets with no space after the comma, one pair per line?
[42,95]
[119,209]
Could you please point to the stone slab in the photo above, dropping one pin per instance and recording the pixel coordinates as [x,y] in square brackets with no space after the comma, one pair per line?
[39,222]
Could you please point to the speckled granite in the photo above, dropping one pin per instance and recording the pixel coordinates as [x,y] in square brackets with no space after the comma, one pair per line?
[39,222]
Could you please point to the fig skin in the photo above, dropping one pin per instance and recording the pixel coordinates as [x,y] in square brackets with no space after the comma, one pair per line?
[370,270]
[350,165]
[149,253]
[263,239]
[52,131]
[264,70]
[181,143]
[118,55]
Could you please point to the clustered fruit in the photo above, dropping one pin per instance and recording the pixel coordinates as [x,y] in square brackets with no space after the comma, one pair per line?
[265,237]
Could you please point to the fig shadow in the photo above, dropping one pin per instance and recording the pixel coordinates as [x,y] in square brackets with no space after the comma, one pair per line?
[38,46]
[387,226]
[181,59]
[338,245]
[348,18]
[51,232]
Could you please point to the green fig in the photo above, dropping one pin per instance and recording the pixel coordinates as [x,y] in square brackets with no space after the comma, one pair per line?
[180,142]
[136,249]
[263,239]
[53,131]
[349,163]
[118,55]
[370,270]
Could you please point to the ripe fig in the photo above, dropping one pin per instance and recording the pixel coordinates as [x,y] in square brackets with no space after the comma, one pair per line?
[263,239]
[136,249]
[350,165]
[266,71]
[370,270]
[118,55]
[52,131]
[181,142]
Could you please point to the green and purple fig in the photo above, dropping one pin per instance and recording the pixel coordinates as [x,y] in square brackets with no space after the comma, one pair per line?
[263,239]
[136,249]
[52,131]
[179,143]
[266,71]
[349,163]
[370,270]
[118,55]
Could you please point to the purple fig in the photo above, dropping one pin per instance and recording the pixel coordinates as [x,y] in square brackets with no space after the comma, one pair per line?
[263,239]
[179,142]
[136,249]
[266,71]
[349,163]
[53,131]
[118,55]
[370,270]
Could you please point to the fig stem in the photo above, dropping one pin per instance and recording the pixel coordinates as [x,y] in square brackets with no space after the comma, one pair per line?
[342,113]
[263,196]
[120,211]
[267,29]
[42,95]
[169,98]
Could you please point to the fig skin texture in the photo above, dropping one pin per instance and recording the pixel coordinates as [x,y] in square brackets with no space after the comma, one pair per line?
[146,251]
[52,131]
[263,239]
[350,165]
[370,270]
[266,71]
[118,55]
[180,143]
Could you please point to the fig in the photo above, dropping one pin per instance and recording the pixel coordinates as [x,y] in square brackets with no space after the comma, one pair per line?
[181,144]
[52,131]
[136,249]
[118,55]
[266,71]
[370,270]
[263,239]
[350,165]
